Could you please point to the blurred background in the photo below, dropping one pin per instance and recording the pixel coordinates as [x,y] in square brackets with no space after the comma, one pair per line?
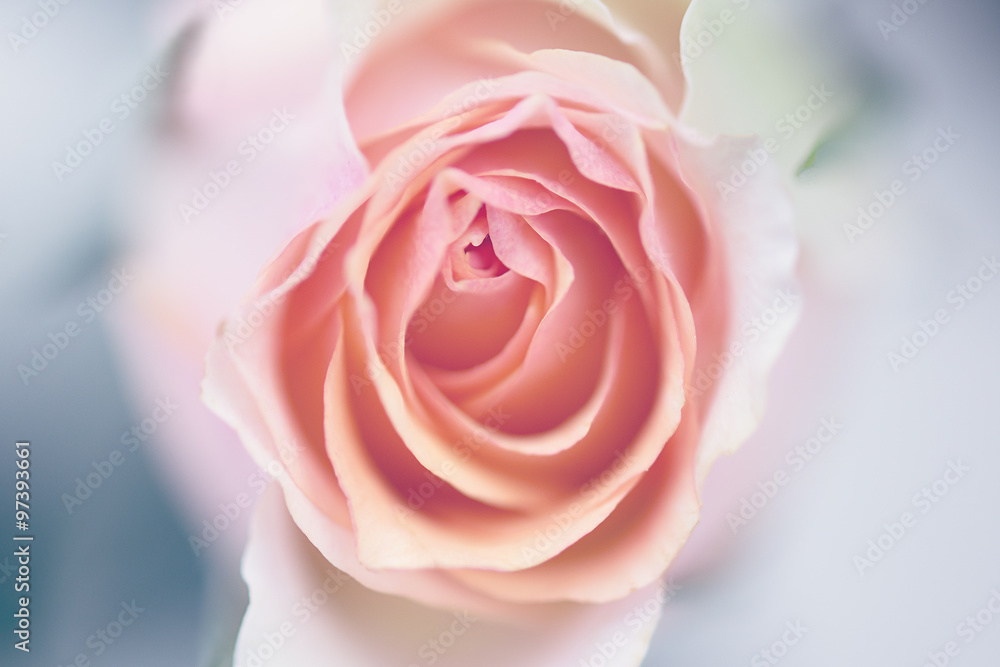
[885,402]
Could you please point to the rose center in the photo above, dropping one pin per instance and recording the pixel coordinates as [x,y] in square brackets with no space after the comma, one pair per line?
[483,260]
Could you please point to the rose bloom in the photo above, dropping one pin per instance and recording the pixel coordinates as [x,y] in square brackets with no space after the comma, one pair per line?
[496,370]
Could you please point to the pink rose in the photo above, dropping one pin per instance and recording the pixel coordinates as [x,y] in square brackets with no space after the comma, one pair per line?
[496,372]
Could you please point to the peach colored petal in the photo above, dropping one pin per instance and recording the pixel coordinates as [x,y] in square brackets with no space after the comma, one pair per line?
[451,531]
[327,617]
[636,542]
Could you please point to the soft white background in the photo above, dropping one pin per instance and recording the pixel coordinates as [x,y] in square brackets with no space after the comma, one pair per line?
[793,562]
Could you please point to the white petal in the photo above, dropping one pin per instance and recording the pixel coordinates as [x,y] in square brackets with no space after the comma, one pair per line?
[746,75]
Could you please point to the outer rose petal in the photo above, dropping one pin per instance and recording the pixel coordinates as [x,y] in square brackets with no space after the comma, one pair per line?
[755,228]
[348,624]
